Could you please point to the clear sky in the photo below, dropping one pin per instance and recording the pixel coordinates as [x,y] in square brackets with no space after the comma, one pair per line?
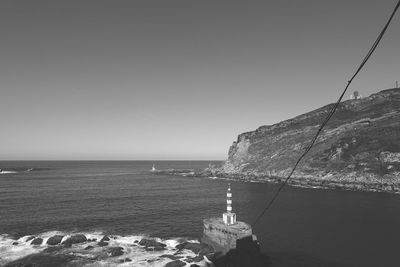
[176,79]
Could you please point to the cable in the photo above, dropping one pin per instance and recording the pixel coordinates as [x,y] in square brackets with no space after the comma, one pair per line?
[330,114]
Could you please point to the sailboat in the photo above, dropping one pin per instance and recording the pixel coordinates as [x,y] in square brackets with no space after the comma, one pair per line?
[153,169]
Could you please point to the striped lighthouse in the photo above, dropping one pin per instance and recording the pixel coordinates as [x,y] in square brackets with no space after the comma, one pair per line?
[229,199]
[229,217]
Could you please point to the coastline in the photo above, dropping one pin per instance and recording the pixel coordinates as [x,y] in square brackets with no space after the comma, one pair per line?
[350,182]
[59,248]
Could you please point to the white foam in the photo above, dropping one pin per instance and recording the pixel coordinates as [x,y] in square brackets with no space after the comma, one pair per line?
[135,252]
[10,252]
[172,243]
[5,172]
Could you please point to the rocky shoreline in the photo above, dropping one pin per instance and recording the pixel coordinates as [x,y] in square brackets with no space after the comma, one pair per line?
[56,248]
[351,181]
[80,249]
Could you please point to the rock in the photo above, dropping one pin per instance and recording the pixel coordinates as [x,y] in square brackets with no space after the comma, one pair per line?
[53,249]
[125,260]
[75,239]
[102,244]
[151,245]
[89,248]
[105,238]
[194,265]
[181,245]
[206,250]
[176,263]
[195,247]
[92,240]
[156,248]
[201,249]
[171,257]
[37,241]
[15,243]
[136,241]
[179,252]
[195,259]
[115,251]
[54,240]
[29,238]
[41,260]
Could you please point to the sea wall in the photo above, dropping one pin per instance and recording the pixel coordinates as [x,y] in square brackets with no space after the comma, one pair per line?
[223,237]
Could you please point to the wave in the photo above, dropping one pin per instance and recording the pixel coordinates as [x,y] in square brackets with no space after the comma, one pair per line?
[6,172]
[92,253]
[21,170]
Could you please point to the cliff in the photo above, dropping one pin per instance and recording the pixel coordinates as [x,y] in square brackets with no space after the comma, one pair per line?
[358,149]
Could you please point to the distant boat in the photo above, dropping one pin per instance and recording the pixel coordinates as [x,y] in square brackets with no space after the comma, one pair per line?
[153,169]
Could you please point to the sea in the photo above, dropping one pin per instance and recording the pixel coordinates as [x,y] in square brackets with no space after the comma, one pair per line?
[124,200]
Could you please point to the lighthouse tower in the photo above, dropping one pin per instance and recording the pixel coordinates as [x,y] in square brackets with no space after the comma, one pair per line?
[223,233]
[229,217]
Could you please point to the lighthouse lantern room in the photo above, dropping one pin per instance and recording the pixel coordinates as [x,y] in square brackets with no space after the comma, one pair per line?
[229,217]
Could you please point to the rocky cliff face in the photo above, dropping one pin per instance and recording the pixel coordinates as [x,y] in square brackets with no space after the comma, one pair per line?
[359,148]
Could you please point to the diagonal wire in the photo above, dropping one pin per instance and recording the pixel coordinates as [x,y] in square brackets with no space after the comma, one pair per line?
[332,111]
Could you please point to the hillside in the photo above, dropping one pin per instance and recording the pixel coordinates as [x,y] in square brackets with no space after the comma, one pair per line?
[358,149]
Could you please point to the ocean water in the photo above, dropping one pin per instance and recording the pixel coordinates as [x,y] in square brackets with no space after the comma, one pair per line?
[305,227]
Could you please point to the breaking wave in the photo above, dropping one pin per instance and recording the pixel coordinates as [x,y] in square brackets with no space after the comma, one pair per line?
[132,252]
[5,172]
[18,170]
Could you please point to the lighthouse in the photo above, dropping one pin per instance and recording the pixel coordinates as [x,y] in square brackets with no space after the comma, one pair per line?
[233,242]
[229,217]
[223,233]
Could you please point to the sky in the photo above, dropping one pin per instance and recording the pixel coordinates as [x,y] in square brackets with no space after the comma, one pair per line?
[143,80]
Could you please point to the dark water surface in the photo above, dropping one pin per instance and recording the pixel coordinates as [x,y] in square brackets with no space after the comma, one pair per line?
[305,227]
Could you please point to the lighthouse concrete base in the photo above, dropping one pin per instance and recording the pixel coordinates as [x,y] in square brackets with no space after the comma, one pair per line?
[223,237]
